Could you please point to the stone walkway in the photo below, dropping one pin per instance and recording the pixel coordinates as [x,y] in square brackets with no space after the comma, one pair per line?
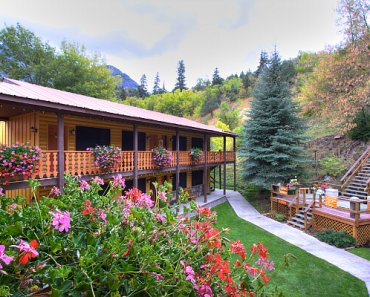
[346,261]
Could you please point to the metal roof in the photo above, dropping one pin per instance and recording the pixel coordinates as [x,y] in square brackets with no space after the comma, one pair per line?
[15,90]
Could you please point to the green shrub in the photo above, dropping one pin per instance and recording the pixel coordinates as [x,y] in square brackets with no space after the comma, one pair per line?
[339,239]
[332,166]
[280,217]
[362,129]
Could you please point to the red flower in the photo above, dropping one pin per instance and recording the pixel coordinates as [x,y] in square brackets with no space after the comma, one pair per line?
[237,247]
[28,250]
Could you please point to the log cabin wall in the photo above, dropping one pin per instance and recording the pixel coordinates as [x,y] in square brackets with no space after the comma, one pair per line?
[18,129]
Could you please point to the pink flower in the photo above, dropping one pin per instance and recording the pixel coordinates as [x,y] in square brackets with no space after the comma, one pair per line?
[118,180]
[61,220]
[54,191]
[4,258]
[84,185]
[2,192]
[161,218]
[157,276]
[145,201]
[103,215]
[162,196]
[98,180]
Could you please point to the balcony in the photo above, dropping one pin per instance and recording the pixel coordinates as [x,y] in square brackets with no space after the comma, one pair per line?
[82,162]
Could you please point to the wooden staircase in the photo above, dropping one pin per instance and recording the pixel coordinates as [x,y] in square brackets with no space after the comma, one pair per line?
[302,219]
[357,179]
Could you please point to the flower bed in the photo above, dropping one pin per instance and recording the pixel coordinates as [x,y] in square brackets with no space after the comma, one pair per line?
[18,160]
[161,157]
[86,244]
[107,158]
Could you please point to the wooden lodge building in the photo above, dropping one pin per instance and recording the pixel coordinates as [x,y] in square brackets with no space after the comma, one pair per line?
[64,124]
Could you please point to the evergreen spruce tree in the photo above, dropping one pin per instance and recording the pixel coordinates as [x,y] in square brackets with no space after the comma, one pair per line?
[264,59]
[180,84]
[143,87]
[217,79]
[271,147]
[156,87]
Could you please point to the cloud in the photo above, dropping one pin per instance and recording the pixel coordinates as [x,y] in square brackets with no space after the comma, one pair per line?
[144,36]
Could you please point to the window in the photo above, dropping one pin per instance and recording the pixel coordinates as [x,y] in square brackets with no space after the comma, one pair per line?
[91,137]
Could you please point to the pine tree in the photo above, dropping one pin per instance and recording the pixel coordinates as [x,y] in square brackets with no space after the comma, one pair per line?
[180,84]
[143,87]
[156,87]
[217,79]
[264,59]
[270,147]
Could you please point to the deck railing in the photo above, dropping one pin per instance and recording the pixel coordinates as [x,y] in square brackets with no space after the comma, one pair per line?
[82,162]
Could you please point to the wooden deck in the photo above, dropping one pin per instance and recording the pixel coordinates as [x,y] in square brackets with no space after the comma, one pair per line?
[354,222]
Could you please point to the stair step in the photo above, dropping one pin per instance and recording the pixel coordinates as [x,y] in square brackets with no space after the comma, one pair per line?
[348,195]
[300,226]
[299,220]
[355,191]
[357,184]
[301,214]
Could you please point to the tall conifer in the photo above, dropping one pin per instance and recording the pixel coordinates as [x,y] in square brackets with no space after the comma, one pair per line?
[271,147]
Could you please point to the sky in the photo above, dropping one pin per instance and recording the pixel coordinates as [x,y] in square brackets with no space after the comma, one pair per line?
[149,36]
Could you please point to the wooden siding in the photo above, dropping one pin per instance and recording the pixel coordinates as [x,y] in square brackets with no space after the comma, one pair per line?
[18,129]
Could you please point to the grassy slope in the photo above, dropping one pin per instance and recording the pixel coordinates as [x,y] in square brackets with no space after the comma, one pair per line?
[305,276]
[363,252]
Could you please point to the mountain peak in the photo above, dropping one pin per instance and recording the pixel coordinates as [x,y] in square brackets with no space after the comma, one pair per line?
[127,82]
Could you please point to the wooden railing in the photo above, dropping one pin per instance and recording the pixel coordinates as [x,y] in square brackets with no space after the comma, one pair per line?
[82,162]
[355,167]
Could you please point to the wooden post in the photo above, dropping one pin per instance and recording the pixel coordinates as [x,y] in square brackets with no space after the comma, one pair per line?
[135,156]
[234,148]
[205,171]
[224,165]
[177,163]
[60,121]
[219,176]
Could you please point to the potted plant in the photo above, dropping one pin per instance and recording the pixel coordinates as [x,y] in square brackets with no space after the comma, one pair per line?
[18,160]
[195,154]
[161,157]
[107,158]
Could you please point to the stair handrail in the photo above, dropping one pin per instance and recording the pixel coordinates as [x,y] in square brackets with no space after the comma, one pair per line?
[355,167]
[307,208]
[367,188]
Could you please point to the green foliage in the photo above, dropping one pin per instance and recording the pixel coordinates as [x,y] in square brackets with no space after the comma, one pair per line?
[271,147]
[332,166]
[280,217]
[180,83]
[339,239]
[213,97]
[216,79]
[24,56]
[361,131]
[118,247]
[228,115]
[143,87]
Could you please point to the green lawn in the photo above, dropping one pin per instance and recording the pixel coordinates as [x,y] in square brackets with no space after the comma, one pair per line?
[306,275]
[362,252]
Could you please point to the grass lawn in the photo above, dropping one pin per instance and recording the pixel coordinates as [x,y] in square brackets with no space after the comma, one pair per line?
[363,252]
[306,275]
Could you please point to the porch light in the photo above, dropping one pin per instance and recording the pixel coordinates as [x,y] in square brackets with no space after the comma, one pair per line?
[33,129]
[73,131]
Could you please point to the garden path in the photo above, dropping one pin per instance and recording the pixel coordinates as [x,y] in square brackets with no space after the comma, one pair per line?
[346,261]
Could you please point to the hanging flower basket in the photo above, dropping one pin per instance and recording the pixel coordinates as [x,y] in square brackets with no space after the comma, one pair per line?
[195,154]
[107,158]
[18,161]
[161,157]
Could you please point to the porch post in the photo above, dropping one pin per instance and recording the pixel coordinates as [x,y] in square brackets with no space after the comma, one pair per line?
[205,172]
[60,123]
[177,163]
[135,155]
[224,165]
[234,149]
[219,176]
